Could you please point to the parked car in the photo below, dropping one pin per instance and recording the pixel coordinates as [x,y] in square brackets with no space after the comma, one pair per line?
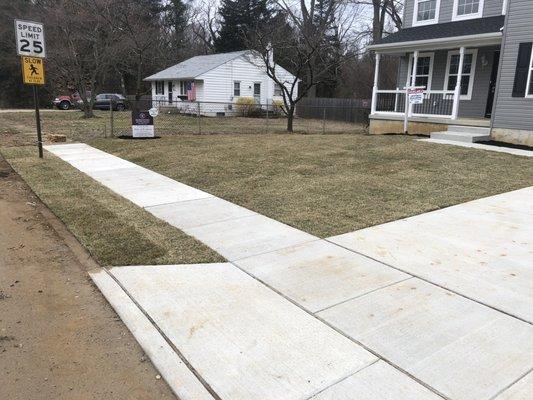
[66,102]
[103,101]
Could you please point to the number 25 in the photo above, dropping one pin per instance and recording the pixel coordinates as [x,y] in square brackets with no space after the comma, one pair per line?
[37,46]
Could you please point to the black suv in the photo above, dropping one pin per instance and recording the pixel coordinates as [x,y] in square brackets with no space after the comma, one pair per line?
[103,101]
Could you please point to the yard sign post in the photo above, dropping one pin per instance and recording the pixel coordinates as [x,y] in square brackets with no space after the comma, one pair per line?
[29,37]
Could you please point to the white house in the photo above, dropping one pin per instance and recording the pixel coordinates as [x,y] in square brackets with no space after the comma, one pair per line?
[216,82]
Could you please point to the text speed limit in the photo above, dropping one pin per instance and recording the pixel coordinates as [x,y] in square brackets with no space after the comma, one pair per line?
[30,38]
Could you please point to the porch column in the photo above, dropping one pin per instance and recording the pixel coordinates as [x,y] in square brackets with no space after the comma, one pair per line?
[413,79]
[457,91]
[375,87]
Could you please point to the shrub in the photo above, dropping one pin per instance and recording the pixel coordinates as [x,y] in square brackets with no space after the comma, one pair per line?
[278,107]
[247,107]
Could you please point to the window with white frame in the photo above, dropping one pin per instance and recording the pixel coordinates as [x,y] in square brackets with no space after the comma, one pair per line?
[278,91]
[467,9]
[185,86]
[529,89]
[467,77]
[424,70]
[159,87]
[236,88]
[426,12]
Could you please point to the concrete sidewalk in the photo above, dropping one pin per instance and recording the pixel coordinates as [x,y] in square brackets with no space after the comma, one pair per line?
[293,316]
[482,249]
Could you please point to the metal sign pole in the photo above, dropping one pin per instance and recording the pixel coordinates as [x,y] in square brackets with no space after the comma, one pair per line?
[38,120]
[29,39]
[406,112]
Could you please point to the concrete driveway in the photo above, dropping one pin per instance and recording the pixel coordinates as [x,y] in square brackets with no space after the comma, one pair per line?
[436,306]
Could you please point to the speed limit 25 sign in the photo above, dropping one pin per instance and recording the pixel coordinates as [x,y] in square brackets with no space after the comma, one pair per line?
[30,38]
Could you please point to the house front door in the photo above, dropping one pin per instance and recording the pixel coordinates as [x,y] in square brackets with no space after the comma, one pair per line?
[492,84]
[257,92]
[170,88]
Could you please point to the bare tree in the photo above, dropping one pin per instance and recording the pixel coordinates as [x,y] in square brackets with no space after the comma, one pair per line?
[81,45]
[300,39]
[204,24]
[137,39]
[386,16]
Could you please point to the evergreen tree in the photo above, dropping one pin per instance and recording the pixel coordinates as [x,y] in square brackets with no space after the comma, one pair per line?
[325,19]
[174,22]
[239,19]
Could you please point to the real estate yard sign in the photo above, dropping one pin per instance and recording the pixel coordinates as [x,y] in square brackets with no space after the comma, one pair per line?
[416,96]
[413,95]
[29,39]
[142,124]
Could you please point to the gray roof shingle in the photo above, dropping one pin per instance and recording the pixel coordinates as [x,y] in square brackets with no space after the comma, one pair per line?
[195,66]
[447,29]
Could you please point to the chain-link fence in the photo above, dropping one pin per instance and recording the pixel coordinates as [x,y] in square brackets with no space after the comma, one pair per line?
[312,116]
[192,117]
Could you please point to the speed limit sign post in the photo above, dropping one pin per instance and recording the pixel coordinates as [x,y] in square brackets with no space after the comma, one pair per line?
[29,37]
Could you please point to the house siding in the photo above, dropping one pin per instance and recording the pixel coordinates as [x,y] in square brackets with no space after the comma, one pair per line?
[218,83]
[474,108]
[491,8]
[514,112]
[214,88]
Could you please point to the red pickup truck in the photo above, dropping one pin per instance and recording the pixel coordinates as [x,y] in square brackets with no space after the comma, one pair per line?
[66,102]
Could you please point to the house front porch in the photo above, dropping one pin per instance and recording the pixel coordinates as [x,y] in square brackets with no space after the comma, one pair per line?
[456,73]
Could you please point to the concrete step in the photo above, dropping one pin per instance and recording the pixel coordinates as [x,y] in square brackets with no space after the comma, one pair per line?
[468,129]
[465,137]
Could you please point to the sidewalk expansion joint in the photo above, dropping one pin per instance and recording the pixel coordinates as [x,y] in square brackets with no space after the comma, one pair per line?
[364,294]
[436,284]
[329,325]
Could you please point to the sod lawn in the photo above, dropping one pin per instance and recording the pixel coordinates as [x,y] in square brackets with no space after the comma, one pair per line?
[322,184]
[329,184]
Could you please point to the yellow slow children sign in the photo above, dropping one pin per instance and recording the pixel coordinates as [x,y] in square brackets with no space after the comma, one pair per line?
[33,70]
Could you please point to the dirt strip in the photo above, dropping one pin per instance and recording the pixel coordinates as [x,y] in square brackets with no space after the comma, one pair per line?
[59,338]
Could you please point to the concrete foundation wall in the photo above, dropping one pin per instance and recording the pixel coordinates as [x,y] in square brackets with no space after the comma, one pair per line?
[514,136]
[380,126]
[383,126]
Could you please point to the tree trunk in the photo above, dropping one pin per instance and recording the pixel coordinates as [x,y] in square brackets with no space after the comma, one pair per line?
[87,110]
[376,20]
[122,83]
[290,118]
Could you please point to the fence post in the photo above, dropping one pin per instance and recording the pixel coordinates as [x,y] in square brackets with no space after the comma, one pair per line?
[324,120]
[199,119]
[267,118]
[111,121]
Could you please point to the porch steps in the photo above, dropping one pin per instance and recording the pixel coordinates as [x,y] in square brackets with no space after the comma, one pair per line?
[465,134]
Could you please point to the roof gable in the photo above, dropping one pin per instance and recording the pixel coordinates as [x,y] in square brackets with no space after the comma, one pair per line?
[195,66]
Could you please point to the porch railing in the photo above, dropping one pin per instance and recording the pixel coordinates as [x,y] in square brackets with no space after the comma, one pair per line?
[436,103]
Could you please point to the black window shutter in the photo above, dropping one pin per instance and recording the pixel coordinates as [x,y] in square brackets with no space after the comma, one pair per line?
[522,69]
